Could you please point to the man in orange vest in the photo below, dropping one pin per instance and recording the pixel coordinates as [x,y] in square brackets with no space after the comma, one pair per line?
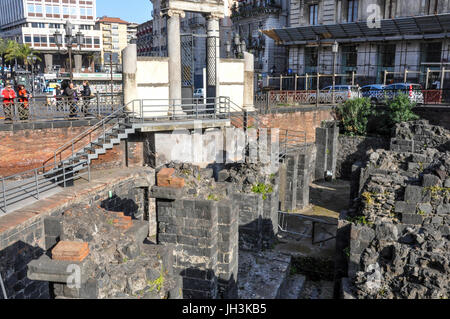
[8,95]
[23,103]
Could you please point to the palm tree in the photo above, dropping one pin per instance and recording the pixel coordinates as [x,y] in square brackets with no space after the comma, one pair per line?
[26,54]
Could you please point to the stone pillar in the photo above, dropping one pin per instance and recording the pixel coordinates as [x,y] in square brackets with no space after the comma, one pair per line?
[174,50]
[78,62]
[48,62]
[249,81]
[129,68]
[213,48]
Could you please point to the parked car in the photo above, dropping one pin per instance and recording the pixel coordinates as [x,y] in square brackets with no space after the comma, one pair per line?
[413,91]
[342,94]
[199,93]
[374,92]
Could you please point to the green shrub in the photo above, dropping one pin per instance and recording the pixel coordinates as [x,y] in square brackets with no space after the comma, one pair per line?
[354,116]
[400,110]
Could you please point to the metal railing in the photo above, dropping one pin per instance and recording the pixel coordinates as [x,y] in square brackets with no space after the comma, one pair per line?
[34,182]
[49,108]
[289,140]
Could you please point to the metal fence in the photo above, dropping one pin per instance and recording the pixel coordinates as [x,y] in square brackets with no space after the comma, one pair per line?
[275,100]
[45,108]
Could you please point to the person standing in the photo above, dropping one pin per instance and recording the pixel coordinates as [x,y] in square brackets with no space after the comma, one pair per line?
[8,95]
[71,95]
[23,95]
[86,96]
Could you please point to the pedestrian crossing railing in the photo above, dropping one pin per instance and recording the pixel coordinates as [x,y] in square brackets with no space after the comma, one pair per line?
[54,108]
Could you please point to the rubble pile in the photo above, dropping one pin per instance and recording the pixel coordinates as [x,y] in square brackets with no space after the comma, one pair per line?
[399,238]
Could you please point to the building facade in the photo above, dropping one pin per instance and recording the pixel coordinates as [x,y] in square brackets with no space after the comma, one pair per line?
[249,17]
[34,22]
[403,37]
[114,38]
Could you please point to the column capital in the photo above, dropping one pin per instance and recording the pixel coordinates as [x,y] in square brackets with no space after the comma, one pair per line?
[172,12]
[214,15]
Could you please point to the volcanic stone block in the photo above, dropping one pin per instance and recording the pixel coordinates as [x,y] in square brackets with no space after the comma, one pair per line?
[404,207]
[416,194]
[429,180]
[322,155]
[412,219]
[401,145]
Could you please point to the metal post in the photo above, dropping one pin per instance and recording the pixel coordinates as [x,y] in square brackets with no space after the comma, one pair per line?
[89,171]
[98,104]
[4,193]
[405,76]
[334,78]
[442,78]
[70,60]
[36,181]
[427,79]
[306,82]
[3,287]
[353,77]
[317,90]
[295,84]
[64,174]
[281,82]
[385,77]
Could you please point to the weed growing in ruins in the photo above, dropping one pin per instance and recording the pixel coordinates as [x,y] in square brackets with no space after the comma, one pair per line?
[354,116]
[125,260]
[262,189]
[437,191]
[346,251]
[400,110]
[359,220]
[421,213]
[368,198]
[213,197]
[157,283]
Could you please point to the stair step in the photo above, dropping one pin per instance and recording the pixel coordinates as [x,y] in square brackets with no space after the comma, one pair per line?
[126,125]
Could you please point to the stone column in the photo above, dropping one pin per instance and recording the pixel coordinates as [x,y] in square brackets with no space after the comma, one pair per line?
[174,50]
[48,62]
[249,81]
[213,48]
[78,62]
[129,68]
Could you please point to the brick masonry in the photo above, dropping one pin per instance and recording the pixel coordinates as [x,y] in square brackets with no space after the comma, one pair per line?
[27,234]
[299,119]
[27,147]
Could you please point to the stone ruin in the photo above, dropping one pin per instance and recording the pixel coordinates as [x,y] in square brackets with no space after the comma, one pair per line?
[121,263]
[395,238]
[205,217]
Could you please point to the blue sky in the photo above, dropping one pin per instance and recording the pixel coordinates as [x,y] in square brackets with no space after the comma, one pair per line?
[137,11]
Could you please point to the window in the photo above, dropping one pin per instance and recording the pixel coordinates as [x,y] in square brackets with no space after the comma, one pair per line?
[352,12]
[387,55]
[313,14]
[432,52]
[349,56]
[28,39]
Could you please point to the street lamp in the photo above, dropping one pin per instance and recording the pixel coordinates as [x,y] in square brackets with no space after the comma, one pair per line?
[69,37]
[32,60]
[335,50]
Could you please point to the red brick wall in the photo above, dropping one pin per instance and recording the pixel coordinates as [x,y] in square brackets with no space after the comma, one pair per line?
[22,150]
[307,121]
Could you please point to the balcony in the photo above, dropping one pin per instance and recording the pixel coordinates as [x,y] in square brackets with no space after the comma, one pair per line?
[242,10]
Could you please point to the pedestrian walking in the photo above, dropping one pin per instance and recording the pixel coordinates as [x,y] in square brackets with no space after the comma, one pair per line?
[8,95]
[71,96]
[59,98]
[24,96]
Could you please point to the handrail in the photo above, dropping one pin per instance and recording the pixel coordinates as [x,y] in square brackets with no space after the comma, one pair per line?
[72,142]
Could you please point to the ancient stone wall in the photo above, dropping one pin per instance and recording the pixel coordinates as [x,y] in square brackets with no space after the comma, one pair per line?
[399,226]
[356,148]
[27,234]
